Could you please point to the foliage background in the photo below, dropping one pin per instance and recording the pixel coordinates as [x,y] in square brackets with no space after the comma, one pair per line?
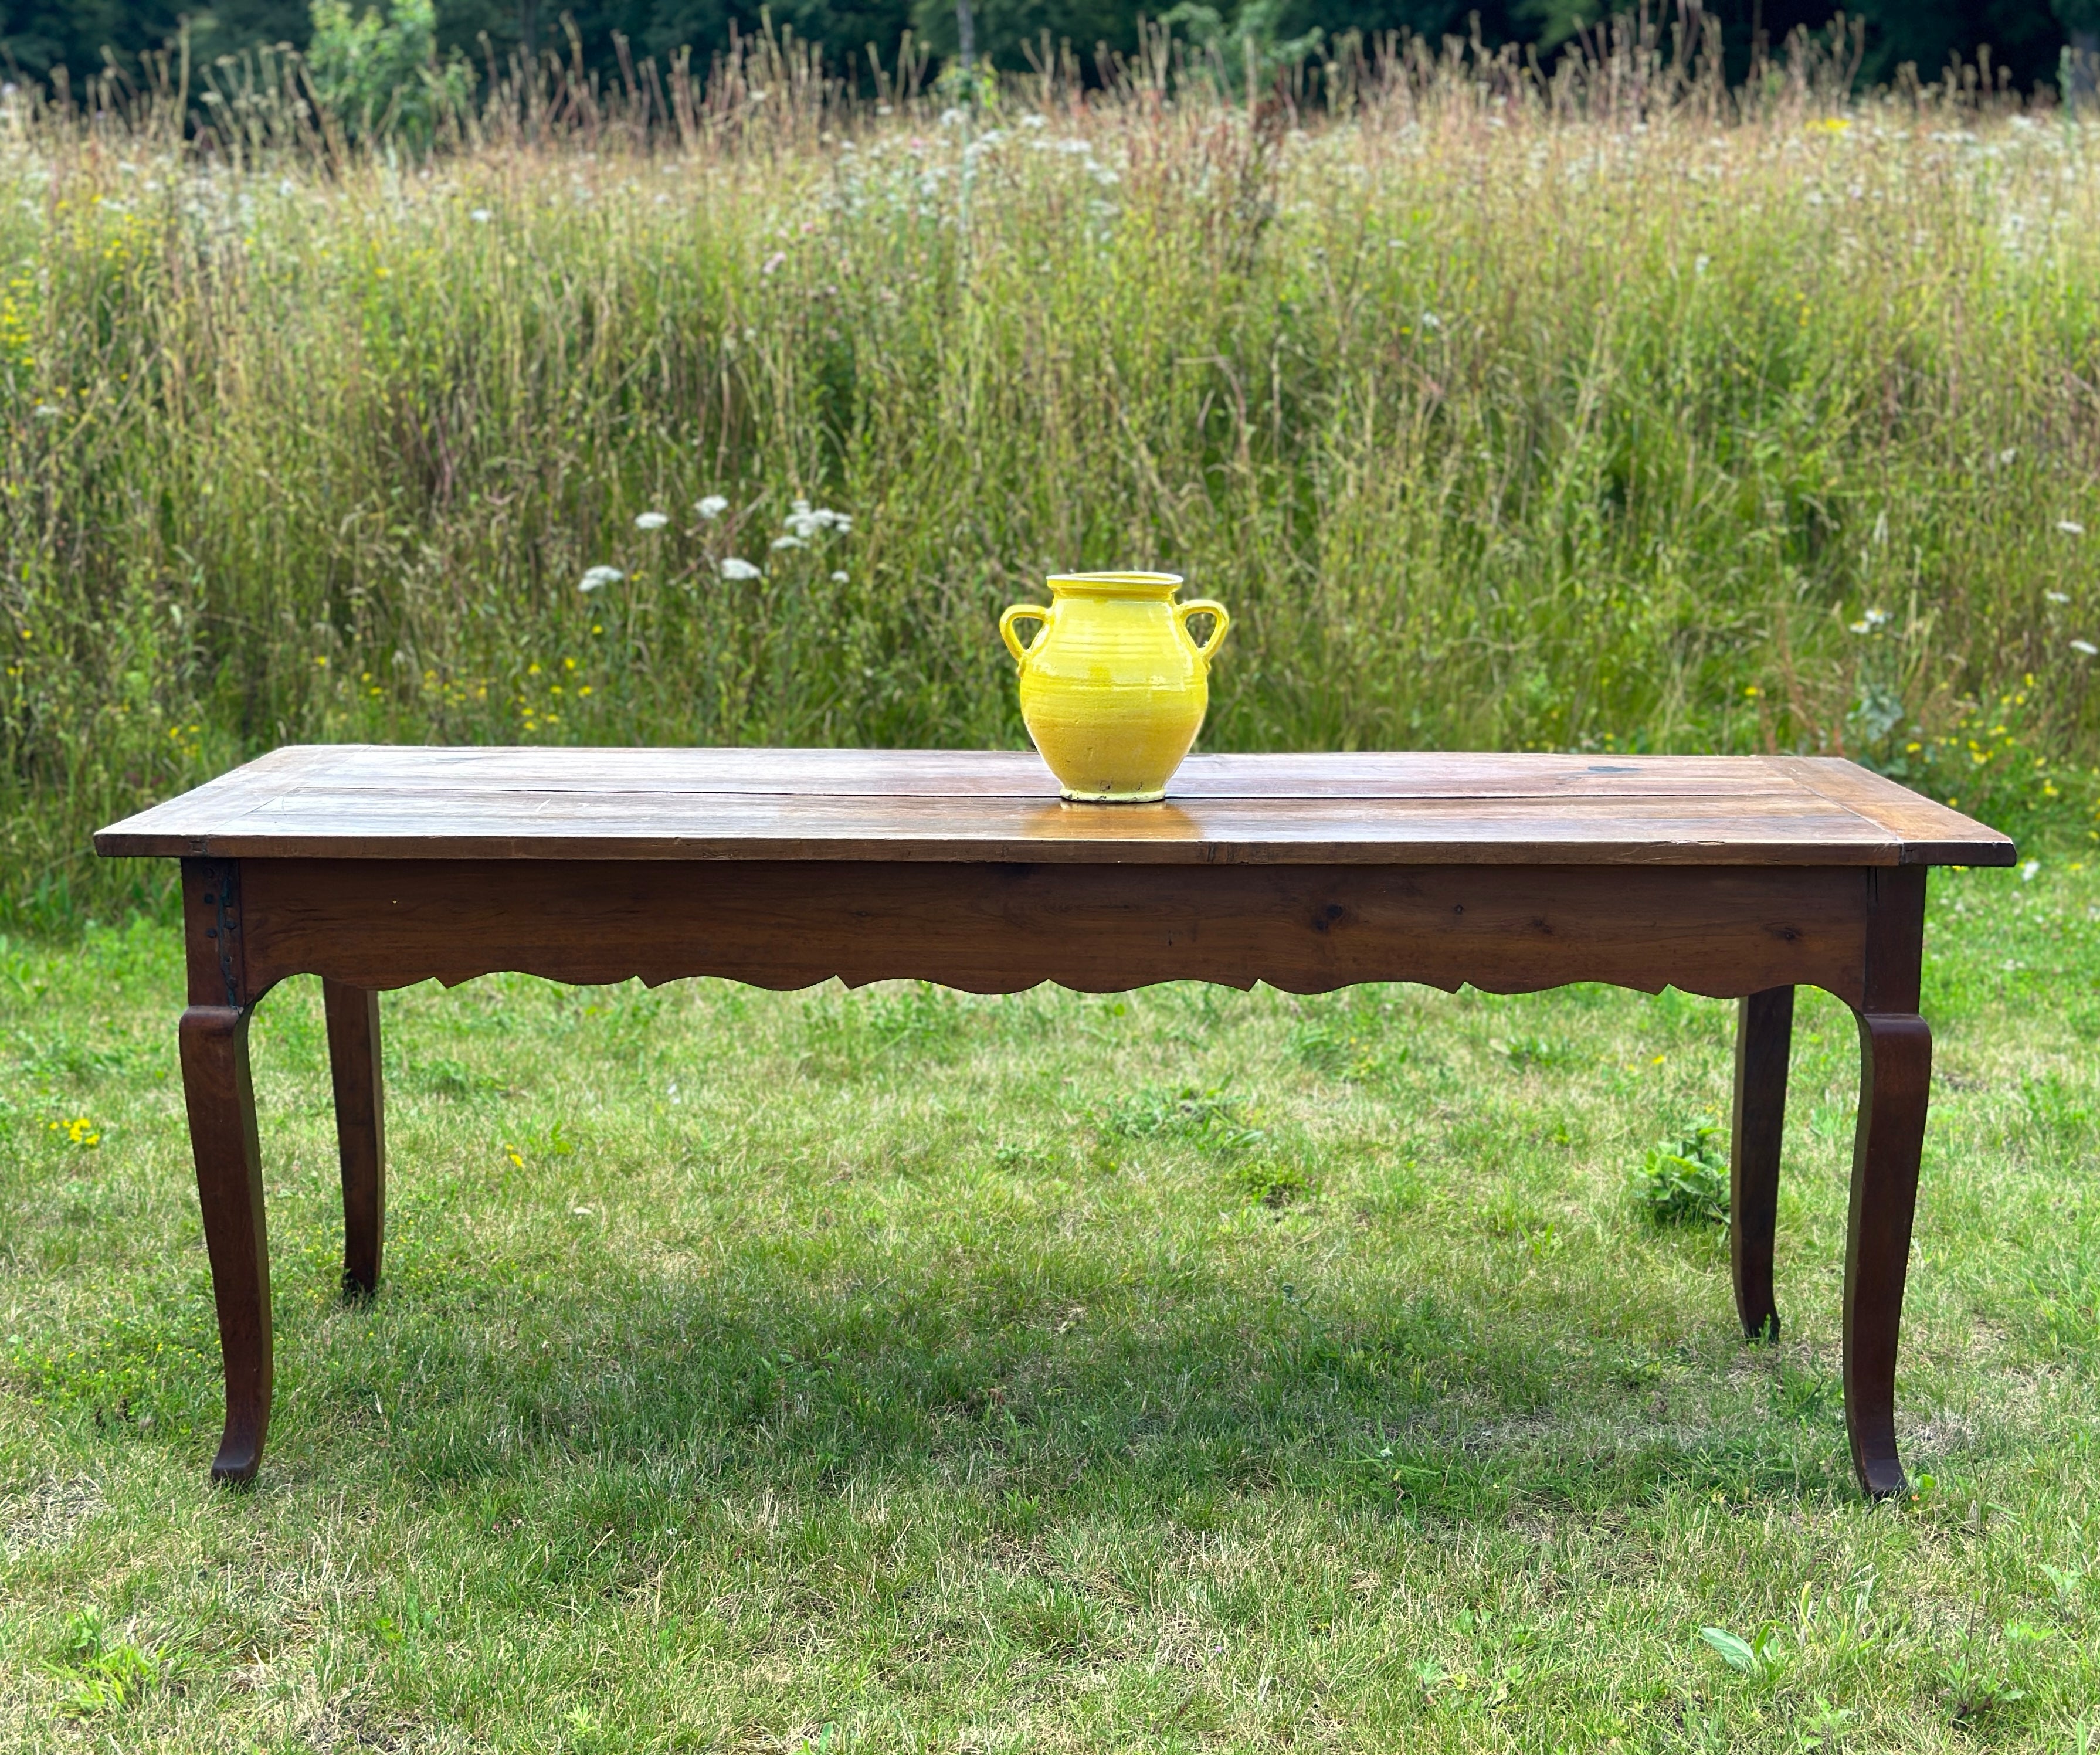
[2024,36]
[1623,410]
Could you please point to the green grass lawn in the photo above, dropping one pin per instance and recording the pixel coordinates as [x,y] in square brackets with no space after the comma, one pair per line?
[907,1370]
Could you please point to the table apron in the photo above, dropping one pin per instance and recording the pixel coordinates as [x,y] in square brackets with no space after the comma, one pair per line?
[1722,931]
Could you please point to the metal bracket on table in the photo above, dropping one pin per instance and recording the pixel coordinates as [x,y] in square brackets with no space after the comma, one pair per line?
[221,893]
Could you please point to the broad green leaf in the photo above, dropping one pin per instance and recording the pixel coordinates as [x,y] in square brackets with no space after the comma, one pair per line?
[1735,1653]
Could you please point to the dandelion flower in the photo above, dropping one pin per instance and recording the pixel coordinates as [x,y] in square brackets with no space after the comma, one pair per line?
[600,575]
[735,566]
[2069,527]
[2058,597]
[650,521]
[2087,647]
[712,507]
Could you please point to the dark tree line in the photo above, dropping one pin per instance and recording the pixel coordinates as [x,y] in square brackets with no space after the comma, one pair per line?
[2026,37]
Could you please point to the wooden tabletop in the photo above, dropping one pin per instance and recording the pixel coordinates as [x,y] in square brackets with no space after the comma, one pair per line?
[374,801]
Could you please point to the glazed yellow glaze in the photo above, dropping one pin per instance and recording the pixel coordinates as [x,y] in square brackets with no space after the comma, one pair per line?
[1112,688]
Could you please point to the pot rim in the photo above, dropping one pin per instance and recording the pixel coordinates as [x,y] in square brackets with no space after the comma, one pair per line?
[1117,584]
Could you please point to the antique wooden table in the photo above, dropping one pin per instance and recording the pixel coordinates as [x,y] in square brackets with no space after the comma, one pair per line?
[1735,877]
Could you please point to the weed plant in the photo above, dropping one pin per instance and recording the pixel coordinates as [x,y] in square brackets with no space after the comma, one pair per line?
[1684,1179]
[1619,417]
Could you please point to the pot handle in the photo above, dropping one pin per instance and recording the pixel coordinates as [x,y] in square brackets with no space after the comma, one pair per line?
[1203,606]
[1022,612]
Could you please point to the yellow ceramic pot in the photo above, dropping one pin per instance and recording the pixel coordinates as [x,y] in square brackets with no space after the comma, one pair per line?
[1112,688]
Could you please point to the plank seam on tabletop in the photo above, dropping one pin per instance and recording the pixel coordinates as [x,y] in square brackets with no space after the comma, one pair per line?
[1914,848]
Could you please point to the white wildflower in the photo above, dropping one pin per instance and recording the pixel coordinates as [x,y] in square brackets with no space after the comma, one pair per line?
[600,575]
[1700,264]
[481,216]
[773,261]
[2070,528]
[712,507]
[2087,647]
[734,566]
[2058,597]
[1868,623]
[789,542]
[2008,455]
[2027,871]
[806,521]
[650,521]
[838,578]
[44,411]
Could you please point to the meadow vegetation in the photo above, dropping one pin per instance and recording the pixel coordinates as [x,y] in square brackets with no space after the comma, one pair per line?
[1181,1370]
[1622,410]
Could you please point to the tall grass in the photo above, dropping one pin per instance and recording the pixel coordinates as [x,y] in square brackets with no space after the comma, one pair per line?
[1502,413]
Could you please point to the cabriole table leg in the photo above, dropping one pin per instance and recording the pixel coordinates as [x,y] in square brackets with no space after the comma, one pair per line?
[229,1167]
[1895,1074]
[360,1129]
[1764,1038]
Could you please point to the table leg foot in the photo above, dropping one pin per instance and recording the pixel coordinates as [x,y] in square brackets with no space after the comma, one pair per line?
[360,1129]
[221,1100]
[1764,1038]
[1895,1074]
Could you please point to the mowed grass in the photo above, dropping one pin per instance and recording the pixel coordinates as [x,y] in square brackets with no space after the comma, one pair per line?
[1185,1369]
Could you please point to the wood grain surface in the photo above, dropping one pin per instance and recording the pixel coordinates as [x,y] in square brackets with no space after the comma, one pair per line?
[990,929]
[361,801]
